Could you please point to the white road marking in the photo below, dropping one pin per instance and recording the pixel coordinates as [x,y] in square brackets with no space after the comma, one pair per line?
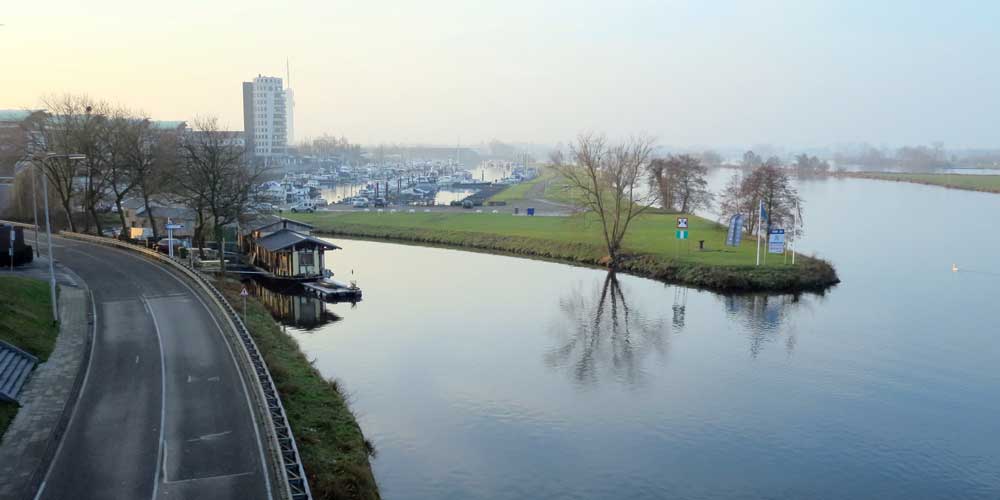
[223,476]
[209,437]
[160,462]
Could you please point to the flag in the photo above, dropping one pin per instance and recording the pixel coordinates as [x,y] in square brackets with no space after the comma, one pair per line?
[763,213]
[735,234]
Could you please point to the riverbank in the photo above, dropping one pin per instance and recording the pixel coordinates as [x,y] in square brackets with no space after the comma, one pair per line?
[26,309]
[650,247]
[335,453]
[968,182]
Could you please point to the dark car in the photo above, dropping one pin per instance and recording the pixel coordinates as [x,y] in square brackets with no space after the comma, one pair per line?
[163,246]
[379,202]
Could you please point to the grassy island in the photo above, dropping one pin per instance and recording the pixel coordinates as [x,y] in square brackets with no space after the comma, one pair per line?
[651,248]
[334,451]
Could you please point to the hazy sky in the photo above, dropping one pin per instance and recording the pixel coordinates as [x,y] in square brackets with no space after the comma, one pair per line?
[794,73]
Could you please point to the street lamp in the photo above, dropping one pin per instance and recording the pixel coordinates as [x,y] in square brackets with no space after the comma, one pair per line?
[48,223]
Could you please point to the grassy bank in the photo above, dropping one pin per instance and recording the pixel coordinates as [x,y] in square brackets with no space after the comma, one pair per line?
[970,182]
[334,451]
[26,312]
[652,249]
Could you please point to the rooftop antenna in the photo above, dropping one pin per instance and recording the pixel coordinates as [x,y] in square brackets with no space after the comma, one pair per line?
[288,74]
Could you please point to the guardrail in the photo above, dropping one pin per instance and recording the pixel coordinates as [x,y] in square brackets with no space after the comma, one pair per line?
[282,441]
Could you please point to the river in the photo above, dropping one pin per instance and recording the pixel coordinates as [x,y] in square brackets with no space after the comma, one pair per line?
[481,376]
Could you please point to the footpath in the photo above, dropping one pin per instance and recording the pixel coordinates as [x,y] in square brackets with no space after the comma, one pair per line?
[47,400]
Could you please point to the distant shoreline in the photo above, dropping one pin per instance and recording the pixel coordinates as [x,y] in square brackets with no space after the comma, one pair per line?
[984,183]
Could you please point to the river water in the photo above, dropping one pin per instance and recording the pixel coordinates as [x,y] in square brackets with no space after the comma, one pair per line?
[480,376]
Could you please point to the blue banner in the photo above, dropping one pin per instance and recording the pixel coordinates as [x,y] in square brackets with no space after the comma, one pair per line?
[735,235]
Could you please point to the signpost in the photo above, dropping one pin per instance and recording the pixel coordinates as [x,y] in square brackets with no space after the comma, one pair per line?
[776,241]
[244,294]
[682,223]
[681,234]
[170,236]
[13,236]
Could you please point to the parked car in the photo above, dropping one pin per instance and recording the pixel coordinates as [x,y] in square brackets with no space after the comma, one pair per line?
[380,202]
[305,207]
[360,203]
[163,246]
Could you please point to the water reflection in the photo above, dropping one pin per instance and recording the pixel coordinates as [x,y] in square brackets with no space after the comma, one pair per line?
[598,334]
[288,303]
[763,317]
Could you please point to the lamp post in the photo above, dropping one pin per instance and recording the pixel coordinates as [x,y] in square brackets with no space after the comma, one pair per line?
[48,226]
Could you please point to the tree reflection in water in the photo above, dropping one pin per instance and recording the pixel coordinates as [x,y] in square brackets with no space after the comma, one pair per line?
[600,335]
[764,319]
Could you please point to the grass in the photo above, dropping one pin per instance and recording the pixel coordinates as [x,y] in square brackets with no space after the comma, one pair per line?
[26,312]
[972,182]
[651,246]
[334,451]
[516,192]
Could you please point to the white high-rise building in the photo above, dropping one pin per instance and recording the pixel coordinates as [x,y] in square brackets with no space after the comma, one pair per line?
[265,116]
[290,113]
[289,104]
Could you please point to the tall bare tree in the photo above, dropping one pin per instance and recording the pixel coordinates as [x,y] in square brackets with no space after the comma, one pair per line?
[609,181]
[213,179]
[767,184]
[83,125]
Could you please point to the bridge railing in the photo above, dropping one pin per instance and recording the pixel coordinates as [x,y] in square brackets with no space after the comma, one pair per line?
[280,437]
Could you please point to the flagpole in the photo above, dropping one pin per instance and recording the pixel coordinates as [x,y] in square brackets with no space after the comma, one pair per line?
[758,230]
[795,234]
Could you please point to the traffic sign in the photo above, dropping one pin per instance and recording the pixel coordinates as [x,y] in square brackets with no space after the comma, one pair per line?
[776,241]
[681,234]
[682,223]
[174,226]
[244,293]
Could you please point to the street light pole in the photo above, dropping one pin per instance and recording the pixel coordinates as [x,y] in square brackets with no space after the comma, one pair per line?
[48,234]
[48,229]
[34,209]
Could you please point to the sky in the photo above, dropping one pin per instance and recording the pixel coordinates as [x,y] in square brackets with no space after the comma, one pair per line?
[691,74]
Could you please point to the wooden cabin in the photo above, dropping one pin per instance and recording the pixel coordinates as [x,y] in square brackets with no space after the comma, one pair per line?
[289,254]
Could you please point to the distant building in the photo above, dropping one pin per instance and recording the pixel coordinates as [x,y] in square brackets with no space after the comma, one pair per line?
[265,117]
[290,112]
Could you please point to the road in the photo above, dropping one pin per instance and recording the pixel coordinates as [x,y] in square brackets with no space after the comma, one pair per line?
[163,412]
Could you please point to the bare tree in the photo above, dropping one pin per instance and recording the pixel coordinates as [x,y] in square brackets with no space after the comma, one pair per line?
[769,185]
[609,179]
[46,135]
[680,183]
[123,130]
[82,125]
[213,179]
[661,179]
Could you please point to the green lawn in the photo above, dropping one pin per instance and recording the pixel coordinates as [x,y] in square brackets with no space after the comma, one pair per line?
[517,192]
[650,234]
[651,244]
[958,181]
[334,451]
[26,322]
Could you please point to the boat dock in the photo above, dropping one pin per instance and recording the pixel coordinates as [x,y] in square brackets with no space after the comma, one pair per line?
[329,290]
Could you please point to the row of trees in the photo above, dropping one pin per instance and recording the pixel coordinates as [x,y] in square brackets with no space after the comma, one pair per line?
[128,156]
[620,182]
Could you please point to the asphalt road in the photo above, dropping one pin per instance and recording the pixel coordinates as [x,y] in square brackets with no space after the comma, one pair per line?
[163,412]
